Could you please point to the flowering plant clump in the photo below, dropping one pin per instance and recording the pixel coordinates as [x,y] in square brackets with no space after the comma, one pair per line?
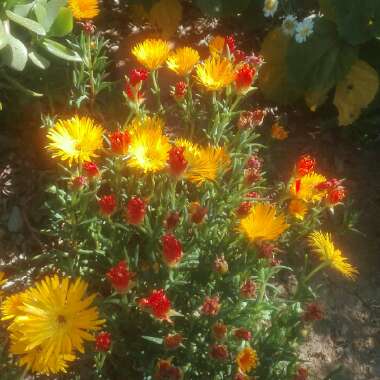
[178,232]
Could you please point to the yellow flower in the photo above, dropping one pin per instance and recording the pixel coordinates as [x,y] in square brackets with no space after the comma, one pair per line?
[152,53]
[54,320]
[183,60]
[297,208]
[84,9]
[75,139]
[215,73]
[305,188]
[191,150]
[323,246]
[247,359]
[149,147]
[278,132]
[262,223]
[10,307]
[216,45]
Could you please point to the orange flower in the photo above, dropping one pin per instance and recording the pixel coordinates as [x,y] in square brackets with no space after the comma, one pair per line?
[247,359]
[278,132]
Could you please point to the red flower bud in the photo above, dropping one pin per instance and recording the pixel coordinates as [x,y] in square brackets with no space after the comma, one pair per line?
[177,162]
[158,304]
[91,169]
[242,334]
[254,162]
[166,371]
[230,42]
[79,182]
[137,75]
[336,195]
[180,90]
[244,78]
[107,204]
[135,211]
[88,27]
[197,213]
[248,289]
[243,209]
[211,306]
[173,341]
[121,278]
[172,220]
[219,352]
[172,250]
[239,56]
[103,341]
[219,330]
[305,165]
[120,142]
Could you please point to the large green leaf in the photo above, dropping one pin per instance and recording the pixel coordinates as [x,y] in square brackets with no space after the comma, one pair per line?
[358,20]
[27,23]
[320,62]
[216,8]
[60,50]
[39,60]
[63,23]
[3,36]
[15,55]
[23,9]
[53,8]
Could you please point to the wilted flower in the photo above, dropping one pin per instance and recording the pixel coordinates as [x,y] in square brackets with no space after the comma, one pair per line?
[84,9]
[313,312]
[120,141]
[158,304]
[289,25]
[219,330]
[216,45]
[171,250]
[242,333]
[172,220]
[220,265]
[211,306]
[248,289]
[197,212]
[135,210]
[121,278]
[103,341]
[219,352]
[107,204]
[244,78]
[91,169]
[247,359]
[278,132]
[304,29]
[177,161]
[173,341]
[152,53]
[270,7]
[251,119]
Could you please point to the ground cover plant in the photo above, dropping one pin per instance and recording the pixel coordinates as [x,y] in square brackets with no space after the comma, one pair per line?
[172,244]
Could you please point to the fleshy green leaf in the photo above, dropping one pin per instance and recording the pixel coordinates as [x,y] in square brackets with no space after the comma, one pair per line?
[60,50]
[3,36]
[27,23]
[15,55]
[53,8]
[63,23]
[39,60]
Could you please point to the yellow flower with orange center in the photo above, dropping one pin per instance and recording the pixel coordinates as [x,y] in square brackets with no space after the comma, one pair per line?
[183,60]
[76,139]
[278,132]
[322,245]
[247,359]
[149,147]
[216,45]
[297,208]
[84,9]
[152,53]
[215,73]
[262,223]
[305,188]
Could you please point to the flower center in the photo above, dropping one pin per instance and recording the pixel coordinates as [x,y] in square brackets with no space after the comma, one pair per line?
[61,319]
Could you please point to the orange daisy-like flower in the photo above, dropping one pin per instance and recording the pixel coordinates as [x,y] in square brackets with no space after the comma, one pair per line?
[297,208]
[84,9]
[247,359]
[216,45]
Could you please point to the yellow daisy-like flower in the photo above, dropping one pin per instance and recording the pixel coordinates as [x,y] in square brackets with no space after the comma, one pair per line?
[152,53]
[84,9]
[297,208]
[76,139]
[278,132]
[191,149]
[216,45]
[305,188]
[262,223]
[323,246]
[247,359]
[149,147]
[215,73]
[55,319]
[183,60]
[10,307]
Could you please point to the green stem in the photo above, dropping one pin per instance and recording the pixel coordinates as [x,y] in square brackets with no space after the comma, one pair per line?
[157,90]
[90,67]
[321,266]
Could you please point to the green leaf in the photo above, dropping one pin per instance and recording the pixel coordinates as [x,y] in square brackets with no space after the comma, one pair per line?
[15,55]
[358,21]
[320,62]
[27,23]
[41,14]
[60,50]
[153,339]
[3,36]
[23,9]
[215,8]
[53,8]
[39,60]
[63,24]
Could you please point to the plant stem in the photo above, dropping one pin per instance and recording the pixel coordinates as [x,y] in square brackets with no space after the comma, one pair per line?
[157,90]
